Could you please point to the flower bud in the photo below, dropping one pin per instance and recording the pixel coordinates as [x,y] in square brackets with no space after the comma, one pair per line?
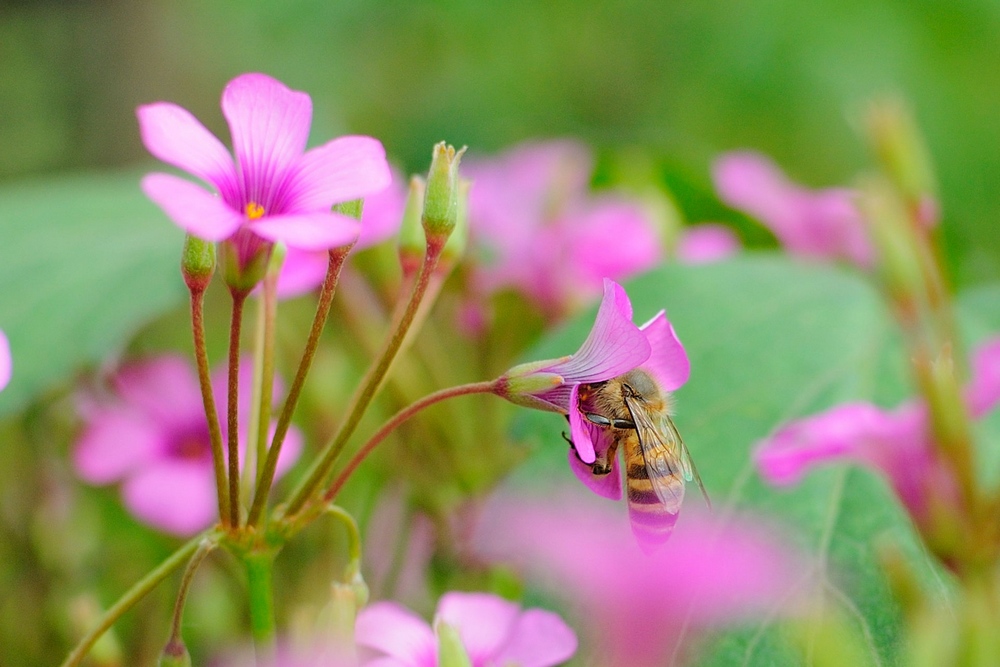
[454,248]
[451,652]
[175,654]
[352,208]
[244,259]
[197,263]
[441,197]
[899,261]
[902,153]
[412,239]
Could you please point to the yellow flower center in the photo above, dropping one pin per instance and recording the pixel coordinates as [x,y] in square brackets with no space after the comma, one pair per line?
[255,210]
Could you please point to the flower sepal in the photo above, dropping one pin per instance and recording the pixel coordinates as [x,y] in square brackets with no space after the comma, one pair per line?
[451,652]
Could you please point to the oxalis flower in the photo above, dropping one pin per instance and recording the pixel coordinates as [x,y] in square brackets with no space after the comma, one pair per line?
[152,436]
[5,362]
[274,190]
[614,347]
[897,444]
[494,633]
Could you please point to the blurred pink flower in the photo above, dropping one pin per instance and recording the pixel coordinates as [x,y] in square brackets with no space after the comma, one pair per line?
[494,632]
[152,436]
[537,228]
[304,270]
[5,361]
[635,606]
[275,190]
[706,242]
[895,443]
[821,224]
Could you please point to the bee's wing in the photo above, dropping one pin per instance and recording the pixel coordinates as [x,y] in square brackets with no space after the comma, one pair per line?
[666,455]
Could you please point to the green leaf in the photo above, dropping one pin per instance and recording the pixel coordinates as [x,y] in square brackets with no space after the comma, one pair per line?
[770,340]
[84,262]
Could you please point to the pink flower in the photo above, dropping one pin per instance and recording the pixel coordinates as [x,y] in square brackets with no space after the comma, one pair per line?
[5,362]
[895,443]
[152,436]
[537,228]
[274,190]
[707,242]
[494,632]
[304,270]
[812,223]
[636,606]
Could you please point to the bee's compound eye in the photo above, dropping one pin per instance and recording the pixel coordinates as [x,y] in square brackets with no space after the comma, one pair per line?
[600,420]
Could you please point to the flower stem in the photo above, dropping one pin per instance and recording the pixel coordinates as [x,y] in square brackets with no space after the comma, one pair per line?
[208,399]
[266,477]
[176,641]
[264,365]
[259,566]
[369,386]
[397,420]
[239,299]
[131,597]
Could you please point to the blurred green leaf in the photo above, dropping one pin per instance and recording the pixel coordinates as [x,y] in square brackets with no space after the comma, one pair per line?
[84,262]
[771,339]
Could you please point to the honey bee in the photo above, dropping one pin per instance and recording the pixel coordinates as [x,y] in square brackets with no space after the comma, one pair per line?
[632,412]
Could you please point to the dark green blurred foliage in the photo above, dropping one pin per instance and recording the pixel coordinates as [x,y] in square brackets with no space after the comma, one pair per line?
[680,81]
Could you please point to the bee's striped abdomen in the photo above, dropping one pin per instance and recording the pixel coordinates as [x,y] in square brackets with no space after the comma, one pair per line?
[652,521]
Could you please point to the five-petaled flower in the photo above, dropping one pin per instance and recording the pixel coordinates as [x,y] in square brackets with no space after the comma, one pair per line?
[274,190]
[493,631]
[897,443]
[151,434]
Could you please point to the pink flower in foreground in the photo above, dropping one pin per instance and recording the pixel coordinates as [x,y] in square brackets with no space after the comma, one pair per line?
[274,190]
[494,632]
[707,242]
[152,436]
[5,362]
[537,229]
[896,443]
[381,216]
[813,223]
[637,606]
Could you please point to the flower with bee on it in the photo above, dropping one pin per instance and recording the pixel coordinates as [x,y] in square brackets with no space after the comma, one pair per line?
[615,392]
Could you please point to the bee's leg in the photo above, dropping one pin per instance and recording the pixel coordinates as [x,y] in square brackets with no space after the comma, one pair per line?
[602,466]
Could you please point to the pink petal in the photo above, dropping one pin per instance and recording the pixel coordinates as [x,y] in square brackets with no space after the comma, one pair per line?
[614,345]
[308,231]
[302,271]
[269,124]
[483,621]
[539,639]
[5,363]
[397,632]
[346,168]
[164,388]
[751,182]
[579,434]
[290,450]
[705,243]
[177,497]
[383,213]
[175,136]
[193,209]
[983,392]
[606,486]
[114,442]
[637,244]
[668,362]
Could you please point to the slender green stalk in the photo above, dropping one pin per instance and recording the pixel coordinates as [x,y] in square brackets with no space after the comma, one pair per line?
[204,548]
[394,423]
[130,598]
[269,310]
[260,568]
[266,477]
[239,299]
[369,386]
[208,399]
[353,533]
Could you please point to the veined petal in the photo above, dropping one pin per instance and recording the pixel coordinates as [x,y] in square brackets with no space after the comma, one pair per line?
[175,496]
[607,486]
[397,632]
[983,392]
[193,209]
[614,346]
[308,231]
[5,363]
[269,124]
[539,639]
[668,362]
[482,620]
[172,134]
[579,432]
[346,168]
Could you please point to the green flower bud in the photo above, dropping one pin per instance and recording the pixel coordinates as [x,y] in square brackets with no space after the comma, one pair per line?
[901,150]
[451,652]
[412,238]
[197,263]
[174,654]
[441,197]
[454,248]
[244,260]
[899,261]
